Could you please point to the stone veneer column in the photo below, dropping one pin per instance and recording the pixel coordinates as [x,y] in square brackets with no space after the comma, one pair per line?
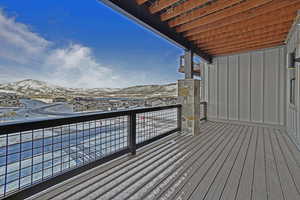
[189,97]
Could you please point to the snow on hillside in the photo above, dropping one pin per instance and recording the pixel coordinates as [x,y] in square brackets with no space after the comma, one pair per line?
[31,86]
[35,87]
[151,88]
[7,91]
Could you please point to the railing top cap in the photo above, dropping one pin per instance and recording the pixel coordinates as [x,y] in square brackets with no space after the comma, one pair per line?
[19,126]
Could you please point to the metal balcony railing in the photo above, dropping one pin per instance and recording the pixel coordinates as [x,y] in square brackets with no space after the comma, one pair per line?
[38,154]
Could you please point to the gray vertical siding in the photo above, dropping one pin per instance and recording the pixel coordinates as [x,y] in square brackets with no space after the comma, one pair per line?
[248,87]
[293,114]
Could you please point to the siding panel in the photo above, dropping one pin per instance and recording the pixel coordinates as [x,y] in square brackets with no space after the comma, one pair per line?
[233,88]
[282,85]
[222,91]
[257,70]
[249,87]
[212,94]
[244,91]
[270,88]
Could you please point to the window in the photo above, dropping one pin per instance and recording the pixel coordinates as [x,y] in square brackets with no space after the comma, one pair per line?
[291,60]
[292,91]
[292,75]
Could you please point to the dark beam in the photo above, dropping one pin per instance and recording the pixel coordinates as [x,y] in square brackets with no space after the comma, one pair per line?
[142,15]
[188,64]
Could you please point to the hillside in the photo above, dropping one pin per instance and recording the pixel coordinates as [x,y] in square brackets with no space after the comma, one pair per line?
[31,88]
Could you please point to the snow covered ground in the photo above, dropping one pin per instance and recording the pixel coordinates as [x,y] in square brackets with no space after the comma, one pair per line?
[33,109]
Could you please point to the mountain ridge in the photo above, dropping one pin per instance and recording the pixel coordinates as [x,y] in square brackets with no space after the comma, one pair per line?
[31,87]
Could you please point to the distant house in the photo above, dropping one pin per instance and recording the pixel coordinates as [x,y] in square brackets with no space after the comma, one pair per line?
[59,99]
[91,104]
[9,99]
[155,102]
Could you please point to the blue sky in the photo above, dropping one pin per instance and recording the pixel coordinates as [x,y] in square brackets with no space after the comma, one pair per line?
[80,44]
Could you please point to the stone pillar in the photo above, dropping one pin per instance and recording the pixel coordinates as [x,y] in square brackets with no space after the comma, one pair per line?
[189,97]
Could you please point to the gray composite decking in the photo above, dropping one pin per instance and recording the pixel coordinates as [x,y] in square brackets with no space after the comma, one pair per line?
[226,161]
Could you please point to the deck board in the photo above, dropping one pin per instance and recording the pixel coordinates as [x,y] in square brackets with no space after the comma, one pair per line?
[218,185]
[149,190]
[203,165]
[288,185]
[274,186]
[290,161]
[232,184]
[226,161]
[245,186]
[185,171]
[209,179]
[289,144]
[259,178]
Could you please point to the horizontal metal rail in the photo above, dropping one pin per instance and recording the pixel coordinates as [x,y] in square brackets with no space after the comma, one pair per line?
[37,154]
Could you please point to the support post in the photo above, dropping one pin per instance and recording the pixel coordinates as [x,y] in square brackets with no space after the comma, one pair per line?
[189,97]
[132,133]
[188,64]
[179,118]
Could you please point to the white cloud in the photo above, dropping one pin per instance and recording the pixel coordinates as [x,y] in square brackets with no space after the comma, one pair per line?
[75,66]
[18,43]
[25,54]
[72,66]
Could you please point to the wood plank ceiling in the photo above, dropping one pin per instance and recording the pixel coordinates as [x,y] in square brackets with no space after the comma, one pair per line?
[220,27]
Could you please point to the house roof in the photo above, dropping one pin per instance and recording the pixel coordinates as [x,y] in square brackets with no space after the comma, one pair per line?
[215,27]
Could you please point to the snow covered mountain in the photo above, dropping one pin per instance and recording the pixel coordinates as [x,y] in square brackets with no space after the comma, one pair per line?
[151,90]
[30,87]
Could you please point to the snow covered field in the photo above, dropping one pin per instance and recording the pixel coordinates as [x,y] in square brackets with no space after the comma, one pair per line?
[34,109]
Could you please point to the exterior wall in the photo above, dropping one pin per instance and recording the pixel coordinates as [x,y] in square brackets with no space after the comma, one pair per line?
[248,87]
[293,114]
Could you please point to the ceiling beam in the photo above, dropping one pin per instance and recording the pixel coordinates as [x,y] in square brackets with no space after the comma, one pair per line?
[239,34]
[140,2]
[247,49]
[232,11]
[141,14]
[227,44]
[251,40]
[183,8]
[230,31]
[200,12]
[262,12]
[246,46]
[250,43]
[161,4]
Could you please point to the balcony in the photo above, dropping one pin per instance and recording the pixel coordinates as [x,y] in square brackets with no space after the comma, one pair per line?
[241,143]
[143,154]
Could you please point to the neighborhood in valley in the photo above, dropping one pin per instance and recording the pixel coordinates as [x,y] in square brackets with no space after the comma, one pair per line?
[29,99]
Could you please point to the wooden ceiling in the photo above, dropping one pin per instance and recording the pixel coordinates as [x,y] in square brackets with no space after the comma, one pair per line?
[219,27]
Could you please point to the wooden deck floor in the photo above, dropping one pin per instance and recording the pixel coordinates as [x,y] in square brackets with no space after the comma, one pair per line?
[227,161]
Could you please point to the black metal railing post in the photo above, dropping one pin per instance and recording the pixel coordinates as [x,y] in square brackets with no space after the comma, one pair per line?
[132,133]
[205,110]
[204,104]
[179,120]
